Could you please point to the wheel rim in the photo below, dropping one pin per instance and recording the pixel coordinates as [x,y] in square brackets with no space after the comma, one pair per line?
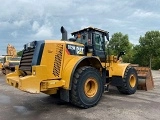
[132,81]
[90,87]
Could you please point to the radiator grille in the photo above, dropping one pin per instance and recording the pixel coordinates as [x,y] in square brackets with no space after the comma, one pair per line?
[58,60]
[26,61]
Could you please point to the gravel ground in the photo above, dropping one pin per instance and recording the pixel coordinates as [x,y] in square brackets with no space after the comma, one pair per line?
[18,105]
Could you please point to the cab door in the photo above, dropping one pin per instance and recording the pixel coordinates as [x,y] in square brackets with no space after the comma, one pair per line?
[99,46]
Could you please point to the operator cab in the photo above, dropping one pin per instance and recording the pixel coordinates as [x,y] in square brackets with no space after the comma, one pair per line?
[94,41]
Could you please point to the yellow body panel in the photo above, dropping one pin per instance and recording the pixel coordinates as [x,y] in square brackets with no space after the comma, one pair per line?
[48,57]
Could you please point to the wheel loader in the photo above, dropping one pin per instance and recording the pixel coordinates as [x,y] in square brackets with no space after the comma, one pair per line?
[78,69]
[9,60]
[9,63]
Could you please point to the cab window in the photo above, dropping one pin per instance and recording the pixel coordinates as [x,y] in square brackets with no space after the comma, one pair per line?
[98,42]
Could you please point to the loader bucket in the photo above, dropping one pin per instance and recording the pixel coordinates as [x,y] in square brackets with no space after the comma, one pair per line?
[145,79]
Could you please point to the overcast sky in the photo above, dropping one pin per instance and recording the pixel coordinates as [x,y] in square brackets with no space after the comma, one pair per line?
[22,21]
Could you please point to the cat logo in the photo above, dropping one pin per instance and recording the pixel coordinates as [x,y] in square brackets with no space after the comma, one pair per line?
[79,50]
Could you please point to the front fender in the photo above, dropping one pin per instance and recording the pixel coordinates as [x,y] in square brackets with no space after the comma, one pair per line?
[117,69]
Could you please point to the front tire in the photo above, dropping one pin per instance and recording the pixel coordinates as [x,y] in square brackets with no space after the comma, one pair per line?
[130,81]
[87,87]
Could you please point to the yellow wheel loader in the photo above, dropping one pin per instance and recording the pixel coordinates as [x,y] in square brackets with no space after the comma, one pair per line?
[78,69]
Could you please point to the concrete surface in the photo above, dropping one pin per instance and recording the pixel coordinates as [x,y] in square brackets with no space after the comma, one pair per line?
[18,105]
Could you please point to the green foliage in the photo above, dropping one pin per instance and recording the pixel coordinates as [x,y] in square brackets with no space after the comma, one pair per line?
[147,53]
[120,42]
[19,54]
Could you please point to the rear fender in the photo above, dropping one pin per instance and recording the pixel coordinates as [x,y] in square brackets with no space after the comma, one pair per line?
[76,63]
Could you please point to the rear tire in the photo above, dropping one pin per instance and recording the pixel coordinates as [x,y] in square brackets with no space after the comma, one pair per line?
[130,81]
[87,87]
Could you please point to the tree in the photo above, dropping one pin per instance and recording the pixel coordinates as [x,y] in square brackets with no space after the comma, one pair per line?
[19,54]
[148,51]
[120,42]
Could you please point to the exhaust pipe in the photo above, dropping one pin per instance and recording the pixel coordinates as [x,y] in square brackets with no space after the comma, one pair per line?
[64,33]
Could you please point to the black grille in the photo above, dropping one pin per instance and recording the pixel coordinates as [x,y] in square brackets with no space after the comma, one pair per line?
[26,61]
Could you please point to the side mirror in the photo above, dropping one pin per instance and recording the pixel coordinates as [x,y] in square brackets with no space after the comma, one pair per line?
[120,54]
